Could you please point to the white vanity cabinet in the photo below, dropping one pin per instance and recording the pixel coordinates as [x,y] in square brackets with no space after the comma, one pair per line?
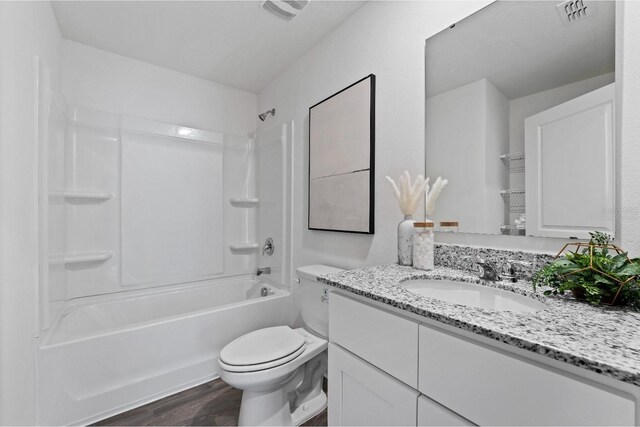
[390,369]
[492,387]
[431,413]
[362,395]
[373,359]
[383,339]
[373,369]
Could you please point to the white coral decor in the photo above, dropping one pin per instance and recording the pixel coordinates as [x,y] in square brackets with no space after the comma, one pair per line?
[407,193]
[431,197]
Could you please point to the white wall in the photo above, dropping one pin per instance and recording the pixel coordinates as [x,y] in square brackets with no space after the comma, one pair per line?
[386,39]
[628,95]
[496,143]
[456,151]
[467,131]
[27,29]
[102,80]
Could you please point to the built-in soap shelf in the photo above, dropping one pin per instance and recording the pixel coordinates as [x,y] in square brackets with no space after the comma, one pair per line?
[514,161]
[244,202]
[78,195]
[514,199]
[244,248]
[79,258]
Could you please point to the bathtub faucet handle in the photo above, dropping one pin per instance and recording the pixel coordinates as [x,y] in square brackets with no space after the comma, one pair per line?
[268,247]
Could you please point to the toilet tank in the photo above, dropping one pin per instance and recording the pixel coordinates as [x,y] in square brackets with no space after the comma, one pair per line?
[314,304]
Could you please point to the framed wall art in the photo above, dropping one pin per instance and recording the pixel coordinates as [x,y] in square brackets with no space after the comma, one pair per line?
[342,160]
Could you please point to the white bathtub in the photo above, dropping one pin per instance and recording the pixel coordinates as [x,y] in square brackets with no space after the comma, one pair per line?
[108,354]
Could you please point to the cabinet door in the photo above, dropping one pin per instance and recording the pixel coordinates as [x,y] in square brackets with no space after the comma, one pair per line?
[360,394]
[431,413]
[569,143]
[490,387]
[385,340]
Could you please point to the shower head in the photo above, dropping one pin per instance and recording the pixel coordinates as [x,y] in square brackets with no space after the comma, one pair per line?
[264,115]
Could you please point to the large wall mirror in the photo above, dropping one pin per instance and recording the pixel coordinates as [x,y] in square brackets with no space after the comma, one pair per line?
[520,118]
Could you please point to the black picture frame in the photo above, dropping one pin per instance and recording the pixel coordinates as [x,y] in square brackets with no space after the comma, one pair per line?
[342,186]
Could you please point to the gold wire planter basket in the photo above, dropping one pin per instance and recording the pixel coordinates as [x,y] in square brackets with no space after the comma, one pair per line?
[575,248]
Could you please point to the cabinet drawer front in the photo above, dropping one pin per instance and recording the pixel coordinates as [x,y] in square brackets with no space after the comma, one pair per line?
[431,413]
[381,338]
[361,395]
[489,387]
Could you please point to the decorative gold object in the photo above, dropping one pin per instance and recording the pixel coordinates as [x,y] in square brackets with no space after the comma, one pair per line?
[578,245]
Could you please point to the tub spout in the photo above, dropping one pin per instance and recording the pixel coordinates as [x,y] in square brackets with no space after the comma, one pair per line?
[263,270]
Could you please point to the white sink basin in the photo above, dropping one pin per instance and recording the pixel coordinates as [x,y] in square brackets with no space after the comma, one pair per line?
[473,295]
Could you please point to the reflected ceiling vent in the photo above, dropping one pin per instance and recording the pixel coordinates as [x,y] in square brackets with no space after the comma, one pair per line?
[576,10]
[285,9]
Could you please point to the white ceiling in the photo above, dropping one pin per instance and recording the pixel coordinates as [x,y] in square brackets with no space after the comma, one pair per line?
[235,43]
[522,47]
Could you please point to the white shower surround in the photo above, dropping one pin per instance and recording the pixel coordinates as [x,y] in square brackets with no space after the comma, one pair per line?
[101,350]
[142,289]
[167,219]
[111,353]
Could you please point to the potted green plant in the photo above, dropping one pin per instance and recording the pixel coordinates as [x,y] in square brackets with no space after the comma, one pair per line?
[597,272]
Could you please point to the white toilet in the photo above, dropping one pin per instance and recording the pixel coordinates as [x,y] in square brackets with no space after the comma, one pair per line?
[279,369]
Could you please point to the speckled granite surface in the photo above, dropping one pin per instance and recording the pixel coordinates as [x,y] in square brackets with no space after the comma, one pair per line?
[462,258]
[603,340]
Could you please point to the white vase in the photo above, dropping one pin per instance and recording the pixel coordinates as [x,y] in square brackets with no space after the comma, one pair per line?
[405,241]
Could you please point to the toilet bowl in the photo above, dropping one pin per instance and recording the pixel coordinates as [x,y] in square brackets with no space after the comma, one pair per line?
[280,370]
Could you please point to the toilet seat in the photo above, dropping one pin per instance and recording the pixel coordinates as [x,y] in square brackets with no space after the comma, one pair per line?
[262,349]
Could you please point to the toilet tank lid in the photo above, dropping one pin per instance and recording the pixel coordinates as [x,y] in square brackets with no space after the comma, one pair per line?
[311,272]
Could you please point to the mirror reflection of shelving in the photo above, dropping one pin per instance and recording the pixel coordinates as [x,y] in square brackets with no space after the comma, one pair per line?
[512,230]
[514,200]
[514,162]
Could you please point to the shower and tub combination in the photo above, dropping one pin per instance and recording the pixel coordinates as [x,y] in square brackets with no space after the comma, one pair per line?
[151,237]
[107,354]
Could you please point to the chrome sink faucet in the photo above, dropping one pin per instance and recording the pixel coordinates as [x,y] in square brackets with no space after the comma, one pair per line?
[510,272]
[487,270]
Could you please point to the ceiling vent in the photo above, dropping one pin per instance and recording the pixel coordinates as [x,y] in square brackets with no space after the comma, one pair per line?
[285,9]
[576,10]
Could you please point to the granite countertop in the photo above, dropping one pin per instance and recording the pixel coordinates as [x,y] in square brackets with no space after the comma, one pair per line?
[605,340]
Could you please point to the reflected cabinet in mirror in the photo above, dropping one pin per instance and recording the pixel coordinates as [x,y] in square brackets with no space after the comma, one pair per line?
[520,118]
